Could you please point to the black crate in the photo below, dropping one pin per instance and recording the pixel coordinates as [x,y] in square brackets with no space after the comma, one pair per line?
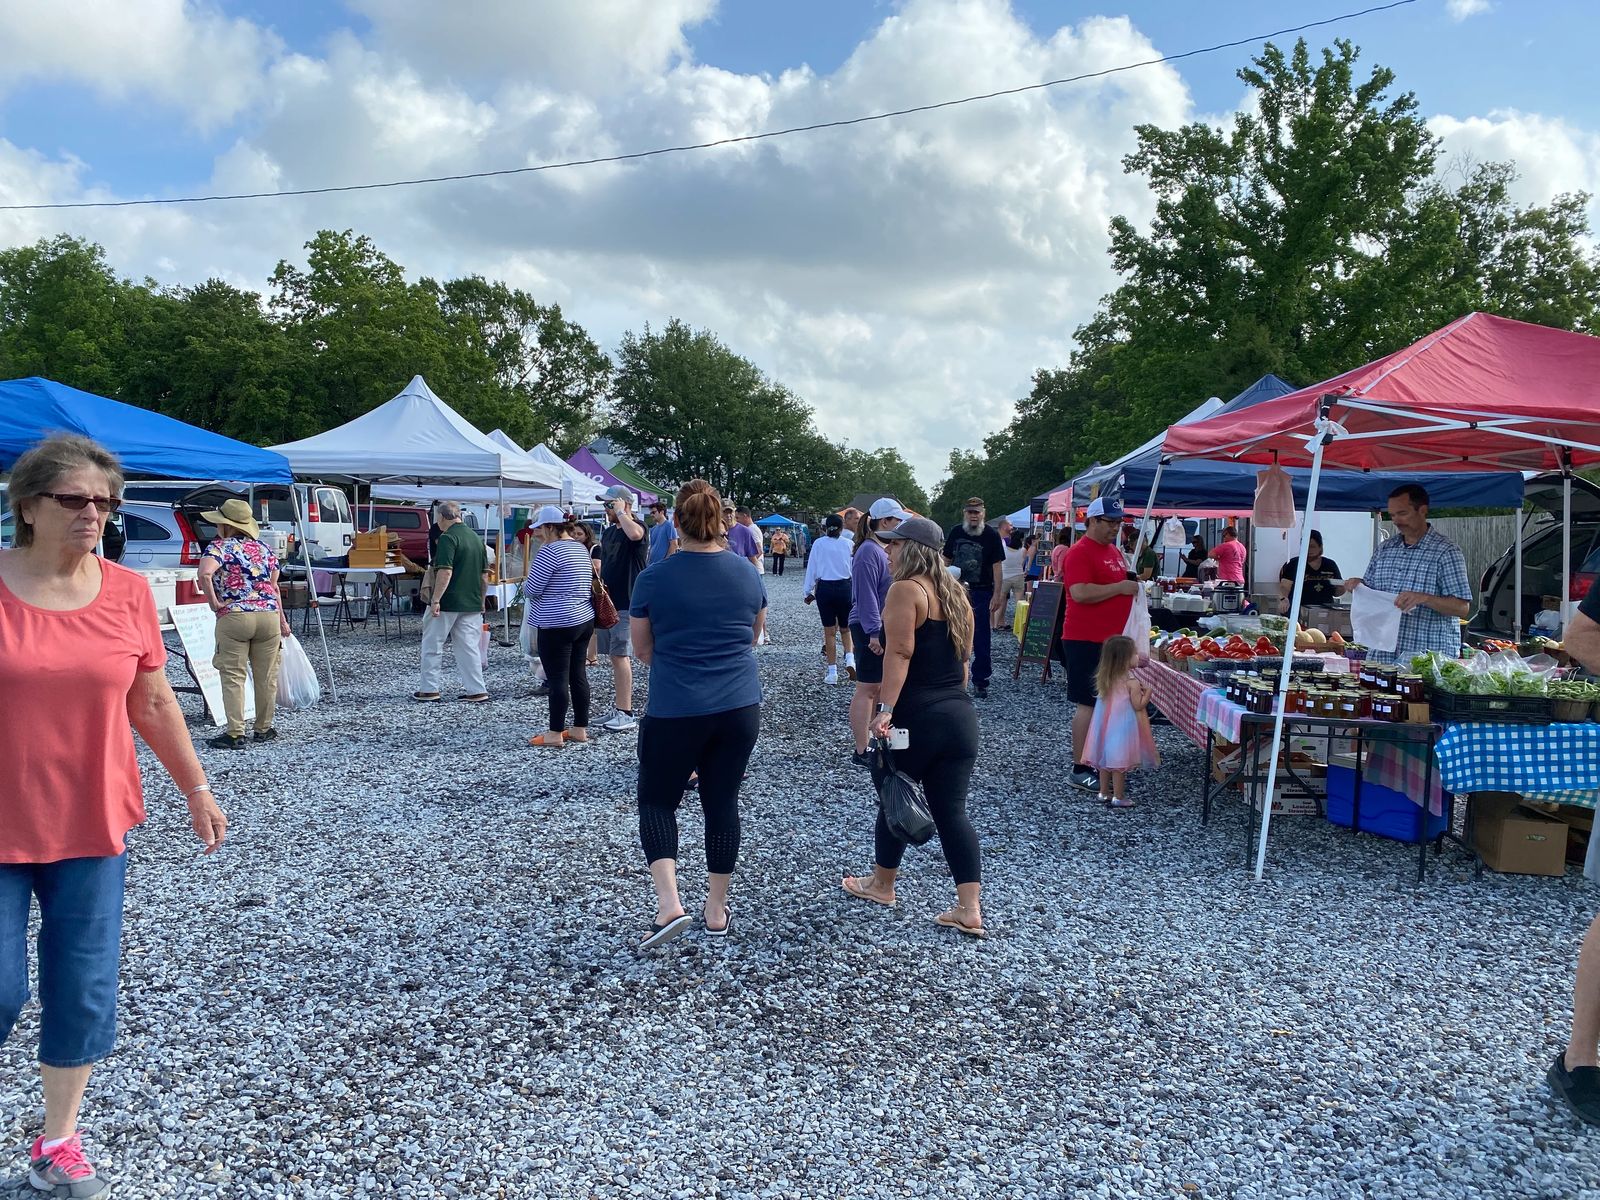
[1455,708]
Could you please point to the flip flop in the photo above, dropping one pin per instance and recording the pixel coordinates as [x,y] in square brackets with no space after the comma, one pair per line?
[426,697]
[852,885]
[1119,804]
[951,919]
[660,935]
[539,741]
[723,932]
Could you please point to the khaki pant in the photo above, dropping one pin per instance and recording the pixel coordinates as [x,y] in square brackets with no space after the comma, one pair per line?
[255,639]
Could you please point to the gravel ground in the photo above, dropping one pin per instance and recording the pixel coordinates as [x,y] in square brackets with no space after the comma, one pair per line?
[410,973]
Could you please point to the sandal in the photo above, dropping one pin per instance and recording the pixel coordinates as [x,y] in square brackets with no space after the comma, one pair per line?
[667,931]
[1123,803]
[952,919]
[856,886]
[727,924]
[541,740]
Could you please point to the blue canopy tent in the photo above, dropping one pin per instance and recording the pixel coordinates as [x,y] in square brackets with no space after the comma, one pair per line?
[1231,487]
[777,521]
[148,443]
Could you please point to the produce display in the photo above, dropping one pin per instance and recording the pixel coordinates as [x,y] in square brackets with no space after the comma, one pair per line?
[1504,674]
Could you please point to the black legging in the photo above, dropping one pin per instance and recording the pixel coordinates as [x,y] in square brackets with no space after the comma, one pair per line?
[564,654]
[777,563]
[940,755]
[673,748]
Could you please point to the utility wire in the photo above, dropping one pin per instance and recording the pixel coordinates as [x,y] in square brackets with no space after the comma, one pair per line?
[731,141]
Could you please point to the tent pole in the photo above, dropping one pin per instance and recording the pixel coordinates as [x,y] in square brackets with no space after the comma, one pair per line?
[1288,647]
[1149,503]
[311,587]
[500,564]
[1566,535]
[1516,616]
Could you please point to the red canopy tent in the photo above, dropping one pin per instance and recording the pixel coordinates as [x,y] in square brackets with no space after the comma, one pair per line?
[1484,393]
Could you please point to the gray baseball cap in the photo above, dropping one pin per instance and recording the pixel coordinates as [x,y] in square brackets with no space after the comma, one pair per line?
[918,529]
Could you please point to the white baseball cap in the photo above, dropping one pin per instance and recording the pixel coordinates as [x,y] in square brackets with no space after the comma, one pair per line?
[549,515]
[887,507]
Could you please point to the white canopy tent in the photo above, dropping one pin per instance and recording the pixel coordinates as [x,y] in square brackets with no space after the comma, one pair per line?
[417,439]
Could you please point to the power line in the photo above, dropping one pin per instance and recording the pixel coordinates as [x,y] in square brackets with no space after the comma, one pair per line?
[731,141]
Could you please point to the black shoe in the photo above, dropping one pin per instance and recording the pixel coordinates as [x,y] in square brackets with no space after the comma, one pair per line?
[1088,780]
[542,690]
[1579,1087]
[266,735]
[862,758]
[981,690]
[226,742]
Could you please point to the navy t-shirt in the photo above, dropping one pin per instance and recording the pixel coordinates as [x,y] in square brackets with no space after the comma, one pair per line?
[702,610]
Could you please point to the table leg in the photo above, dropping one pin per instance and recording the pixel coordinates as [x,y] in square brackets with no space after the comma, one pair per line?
[1205,778]
[1355,789]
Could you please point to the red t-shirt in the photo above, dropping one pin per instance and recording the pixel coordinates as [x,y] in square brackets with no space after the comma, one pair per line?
[69,778]
[1090,562]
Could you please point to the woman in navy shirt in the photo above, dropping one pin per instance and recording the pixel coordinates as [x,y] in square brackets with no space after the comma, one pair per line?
[696,617]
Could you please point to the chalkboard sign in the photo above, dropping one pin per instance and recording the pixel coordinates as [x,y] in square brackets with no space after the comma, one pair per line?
[1043,630]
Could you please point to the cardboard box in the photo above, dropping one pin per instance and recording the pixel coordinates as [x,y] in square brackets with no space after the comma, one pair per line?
[1288,800]
[1517,840]
[293,592]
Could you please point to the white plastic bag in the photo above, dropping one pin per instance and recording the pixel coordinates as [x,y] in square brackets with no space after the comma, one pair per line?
[1173,535]
[1274,507]
[483,646]
[298,688]
[1374,620]
[1138,626]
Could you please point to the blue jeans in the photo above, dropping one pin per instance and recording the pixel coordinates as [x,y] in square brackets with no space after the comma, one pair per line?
[982,668]
[80,952]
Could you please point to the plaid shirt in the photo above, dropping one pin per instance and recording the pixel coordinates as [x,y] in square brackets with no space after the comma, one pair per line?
[1434,565]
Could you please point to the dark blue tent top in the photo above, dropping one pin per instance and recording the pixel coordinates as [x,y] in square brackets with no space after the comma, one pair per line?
[148,444]
[1209,484]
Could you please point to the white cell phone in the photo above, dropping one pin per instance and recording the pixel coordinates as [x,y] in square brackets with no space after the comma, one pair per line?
[899,739]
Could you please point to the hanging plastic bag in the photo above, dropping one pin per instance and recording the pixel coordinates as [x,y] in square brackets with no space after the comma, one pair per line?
[298,688]
[905,808]
[1173,535]
[1138,626]
[1374,620]
[483,646]
[1274,507]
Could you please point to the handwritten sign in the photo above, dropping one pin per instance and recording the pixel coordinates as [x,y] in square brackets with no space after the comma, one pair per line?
[196,626]
[1043,629]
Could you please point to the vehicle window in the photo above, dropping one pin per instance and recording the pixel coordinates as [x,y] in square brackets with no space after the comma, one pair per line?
[334,506]
[280,511]
[402,519]
[139,529]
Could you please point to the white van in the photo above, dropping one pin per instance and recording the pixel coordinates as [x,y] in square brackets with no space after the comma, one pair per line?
[330,525]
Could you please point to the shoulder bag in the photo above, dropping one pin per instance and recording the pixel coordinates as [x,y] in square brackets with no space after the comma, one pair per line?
[905,808]
[605,612]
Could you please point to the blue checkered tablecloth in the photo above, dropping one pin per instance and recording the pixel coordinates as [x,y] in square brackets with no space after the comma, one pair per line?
[1556,763]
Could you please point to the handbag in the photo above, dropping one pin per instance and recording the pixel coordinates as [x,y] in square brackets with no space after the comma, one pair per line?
[605,612]
[905,808]
[425,588]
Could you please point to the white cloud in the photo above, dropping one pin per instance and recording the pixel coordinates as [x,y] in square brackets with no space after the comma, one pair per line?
[183,54]
[1460,10]
[1552,155]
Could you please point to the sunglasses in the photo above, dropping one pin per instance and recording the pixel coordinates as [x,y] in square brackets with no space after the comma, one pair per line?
[76,503]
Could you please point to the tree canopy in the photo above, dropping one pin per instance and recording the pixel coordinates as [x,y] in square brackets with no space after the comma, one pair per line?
[1315,234]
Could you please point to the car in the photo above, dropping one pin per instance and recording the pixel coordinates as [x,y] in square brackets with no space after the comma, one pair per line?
[1541,557]
[408,522]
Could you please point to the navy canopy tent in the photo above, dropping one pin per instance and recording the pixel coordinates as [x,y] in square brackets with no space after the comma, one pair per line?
[148,443]
[1213,486]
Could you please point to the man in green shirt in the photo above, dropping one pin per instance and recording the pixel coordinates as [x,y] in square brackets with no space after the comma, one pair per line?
[455,613]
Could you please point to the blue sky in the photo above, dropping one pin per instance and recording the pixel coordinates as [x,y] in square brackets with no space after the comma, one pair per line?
[905,278]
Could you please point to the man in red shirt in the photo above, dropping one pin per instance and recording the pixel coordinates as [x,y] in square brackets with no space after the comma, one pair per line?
[1099,596]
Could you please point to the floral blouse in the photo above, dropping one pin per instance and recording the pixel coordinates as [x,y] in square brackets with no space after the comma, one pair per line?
[244,575]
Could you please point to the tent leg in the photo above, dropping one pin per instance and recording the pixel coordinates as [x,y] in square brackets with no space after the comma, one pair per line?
[311,590]
[1566,537]
[1288,654]
[500,566]
[1516,616]
[1144,525]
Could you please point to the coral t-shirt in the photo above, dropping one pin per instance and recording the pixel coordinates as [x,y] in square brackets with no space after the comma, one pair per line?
[1230,561]
[1090,562]
[69,777]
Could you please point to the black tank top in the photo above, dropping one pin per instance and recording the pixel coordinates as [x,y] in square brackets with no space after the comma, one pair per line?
[934,666]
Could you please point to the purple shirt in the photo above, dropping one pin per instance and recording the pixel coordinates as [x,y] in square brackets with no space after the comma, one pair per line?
[743,542]
[869,587]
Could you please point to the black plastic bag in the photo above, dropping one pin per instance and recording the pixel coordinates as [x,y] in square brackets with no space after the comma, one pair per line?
[905,808]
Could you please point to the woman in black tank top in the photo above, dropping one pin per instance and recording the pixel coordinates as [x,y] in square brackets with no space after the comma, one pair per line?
[928,624]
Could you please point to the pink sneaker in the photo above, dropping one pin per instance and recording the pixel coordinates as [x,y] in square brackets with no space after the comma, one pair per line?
[64,1172]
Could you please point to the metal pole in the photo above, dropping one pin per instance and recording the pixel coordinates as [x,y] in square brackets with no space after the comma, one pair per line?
[311,587]
[500,565]
[1516,616]
[1566,536]
[1149,503]
[1288,649]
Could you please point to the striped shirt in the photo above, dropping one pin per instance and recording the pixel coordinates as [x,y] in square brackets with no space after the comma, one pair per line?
[558,586]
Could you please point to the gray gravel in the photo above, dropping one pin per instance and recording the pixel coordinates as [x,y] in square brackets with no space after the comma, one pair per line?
[410,974]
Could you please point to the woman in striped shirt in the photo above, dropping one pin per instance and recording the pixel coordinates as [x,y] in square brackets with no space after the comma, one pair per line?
[560,607]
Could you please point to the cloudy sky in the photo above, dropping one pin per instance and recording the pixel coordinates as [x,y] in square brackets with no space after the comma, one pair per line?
[905,277]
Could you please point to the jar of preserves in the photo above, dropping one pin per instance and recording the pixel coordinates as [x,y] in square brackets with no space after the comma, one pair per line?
[1350,705]
[1412,689]
[1328,704]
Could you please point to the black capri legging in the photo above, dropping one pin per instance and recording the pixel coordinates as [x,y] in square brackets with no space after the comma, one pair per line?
[718,746]
[564,654]
[940,755]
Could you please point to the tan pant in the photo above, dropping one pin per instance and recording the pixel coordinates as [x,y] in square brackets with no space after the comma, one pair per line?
[253,638]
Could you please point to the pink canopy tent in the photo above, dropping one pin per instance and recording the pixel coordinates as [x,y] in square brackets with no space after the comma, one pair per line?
[1484,393]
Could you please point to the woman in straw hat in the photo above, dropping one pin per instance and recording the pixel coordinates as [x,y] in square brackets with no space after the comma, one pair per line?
[239,578]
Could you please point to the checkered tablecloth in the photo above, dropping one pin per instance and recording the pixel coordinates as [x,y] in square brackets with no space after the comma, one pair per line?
[1213,711]
[1177,694]
[1558,763]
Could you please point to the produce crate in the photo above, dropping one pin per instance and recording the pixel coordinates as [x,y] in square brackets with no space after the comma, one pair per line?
[1455,708]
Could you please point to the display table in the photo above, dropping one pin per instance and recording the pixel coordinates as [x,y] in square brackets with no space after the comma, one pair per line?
[1558,764]
[340,581]
[1177,695]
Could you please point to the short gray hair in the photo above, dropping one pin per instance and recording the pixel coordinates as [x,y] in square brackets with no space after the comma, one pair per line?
[38,469]
[449,510]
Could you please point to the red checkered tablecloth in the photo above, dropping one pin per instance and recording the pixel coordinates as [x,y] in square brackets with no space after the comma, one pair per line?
[1177,694]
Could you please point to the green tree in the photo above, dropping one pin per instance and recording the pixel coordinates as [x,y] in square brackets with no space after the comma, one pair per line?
[685,406]
[883,471]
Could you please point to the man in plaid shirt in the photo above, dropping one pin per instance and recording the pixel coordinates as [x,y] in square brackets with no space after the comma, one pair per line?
[1428,571]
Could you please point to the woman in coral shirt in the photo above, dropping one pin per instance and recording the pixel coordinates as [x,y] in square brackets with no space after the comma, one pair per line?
[81,659]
